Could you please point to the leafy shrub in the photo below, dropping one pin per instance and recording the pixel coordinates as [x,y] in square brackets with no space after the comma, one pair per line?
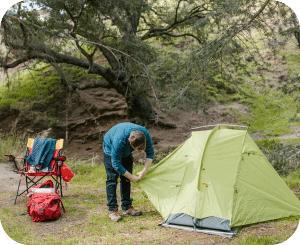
[162,153]
[285,158]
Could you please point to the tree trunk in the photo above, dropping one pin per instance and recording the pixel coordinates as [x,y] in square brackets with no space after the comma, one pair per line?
[296,25]
[139,107]
[297,36]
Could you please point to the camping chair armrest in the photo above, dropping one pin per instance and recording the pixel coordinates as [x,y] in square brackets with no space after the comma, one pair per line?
[20,171]
[60,160]
[12,157]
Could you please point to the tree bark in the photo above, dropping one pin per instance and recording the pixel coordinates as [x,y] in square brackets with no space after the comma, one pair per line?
[296,25]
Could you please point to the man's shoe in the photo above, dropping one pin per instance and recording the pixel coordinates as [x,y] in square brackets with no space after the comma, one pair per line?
[114,216]
[131,211]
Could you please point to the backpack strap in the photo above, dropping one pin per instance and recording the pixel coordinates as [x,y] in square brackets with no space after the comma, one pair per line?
[62,205]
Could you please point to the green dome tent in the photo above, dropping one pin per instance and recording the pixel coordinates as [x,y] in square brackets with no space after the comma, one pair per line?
[216,181]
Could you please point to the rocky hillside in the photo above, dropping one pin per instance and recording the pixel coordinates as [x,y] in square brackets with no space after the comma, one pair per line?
[83,118]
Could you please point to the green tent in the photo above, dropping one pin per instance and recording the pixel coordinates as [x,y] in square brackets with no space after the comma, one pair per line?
[218,180]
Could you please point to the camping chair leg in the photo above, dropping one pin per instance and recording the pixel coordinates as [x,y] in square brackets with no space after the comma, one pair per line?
[58,175]
[56,182]
[18,189]
[61,194]
[26,184]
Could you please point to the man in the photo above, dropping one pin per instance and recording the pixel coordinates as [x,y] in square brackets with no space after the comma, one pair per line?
[118,144]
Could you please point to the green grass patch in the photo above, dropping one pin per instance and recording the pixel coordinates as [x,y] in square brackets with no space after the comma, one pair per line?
[71,201]
[89,205]
[74,211]
[12,145]
[289,219]
[294,141]
[293,179]
[37,85]
[271,113]
[17,233]
[292,57]
[256,241]
[87,175]
[28,88]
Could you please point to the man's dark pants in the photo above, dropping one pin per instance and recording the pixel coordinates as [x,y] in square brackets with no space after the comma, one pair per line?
[112,180]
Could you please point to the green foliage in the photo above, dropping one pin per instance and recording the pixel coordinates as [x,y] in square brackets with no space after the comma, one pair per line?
[77,74]
[198,58]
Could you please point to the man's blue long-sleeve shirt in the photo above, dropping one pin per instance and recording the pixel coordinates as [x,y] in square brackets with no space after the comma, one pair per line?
[116,144]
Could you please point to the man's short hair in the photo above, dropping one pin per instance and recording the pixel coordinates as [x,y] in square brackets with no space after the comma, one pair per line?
[138,139]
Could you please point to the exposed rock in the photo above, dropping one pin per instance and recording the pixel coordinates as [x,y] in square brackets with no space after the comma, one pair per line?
[44,133]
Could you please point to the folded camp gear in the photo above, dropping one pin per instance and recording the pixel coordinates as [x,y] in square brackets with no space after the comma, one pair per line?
[42,153]
[41,190]
[46,187]
[44,206]
[47,184]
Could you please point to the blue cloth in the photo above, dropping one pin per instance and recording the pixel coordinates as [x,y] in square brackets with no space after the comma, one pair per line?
[116,144]
[42,153]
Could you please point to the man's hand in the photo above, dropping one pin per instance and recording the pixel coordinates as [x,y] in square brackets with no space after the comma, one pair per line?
[134,178]
[131,177]
[142,174]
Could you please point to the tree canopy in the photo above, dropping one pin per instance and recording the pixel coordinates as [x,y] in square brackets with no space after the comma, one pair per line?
[122,40]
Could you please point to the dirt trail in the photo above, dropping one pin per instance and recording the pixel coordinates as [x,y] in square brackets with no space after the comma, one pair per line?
[8,178]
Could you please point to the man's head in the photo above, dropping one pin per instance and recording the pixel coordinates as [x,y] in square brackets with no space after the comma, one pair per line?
[137,140]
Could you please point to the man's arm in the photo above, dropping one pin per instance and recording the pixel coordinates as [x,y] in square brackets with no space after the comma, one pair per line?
[142,174]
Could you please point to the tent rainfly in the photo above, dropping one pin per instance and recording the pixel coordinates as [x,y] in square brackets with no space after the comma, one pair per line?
[216,181]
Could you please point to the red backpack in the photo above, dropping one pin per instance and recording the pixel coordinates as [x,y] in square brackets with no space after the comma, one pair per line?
[44,206]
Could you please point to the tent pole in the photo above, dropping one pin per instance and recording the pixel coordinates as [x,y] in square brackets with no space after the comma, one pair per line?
[195,219]
[218,125]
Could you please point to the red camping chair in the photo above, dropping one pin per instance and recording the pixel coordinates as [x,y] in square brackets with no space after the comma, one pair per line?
[57,163]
